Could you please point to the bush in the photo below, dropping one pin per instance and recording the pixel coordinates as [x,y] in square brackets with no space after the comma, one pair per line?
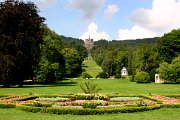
[86,75]
[102,75]
[117,75]
[142,77]
[132,78]
[90,97]
[90,105]
[89,87]
[7,106]
[87,111]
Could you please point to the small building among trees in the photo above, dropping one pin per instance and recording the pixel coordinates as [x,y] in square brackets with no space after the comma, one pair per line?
[158,79]
[124,72]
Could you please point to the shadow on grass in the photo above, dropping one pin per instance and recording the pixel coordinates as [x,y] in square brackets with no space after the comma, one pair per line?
[63,83]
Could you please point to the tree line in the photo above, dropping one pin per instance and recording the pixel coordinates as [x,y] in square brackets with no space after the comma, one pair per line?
[145,55]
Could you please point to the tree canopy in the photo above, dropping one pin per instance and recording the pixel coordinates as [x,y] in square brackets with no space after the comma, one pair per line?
[20,38]
[169,46]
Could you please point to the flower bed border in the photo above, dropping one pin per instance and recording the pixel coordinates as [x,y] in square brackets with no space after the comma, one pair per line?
[88,111]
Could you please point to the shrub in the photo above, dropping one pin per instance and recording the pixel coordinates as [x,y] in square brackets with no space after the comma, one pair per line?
[117,75]
[132,78]
[89,87]
[142,77]
[89,105]
[86,75]
[102,75]
[141,103]
[7,105]
[91,97]
[76,111]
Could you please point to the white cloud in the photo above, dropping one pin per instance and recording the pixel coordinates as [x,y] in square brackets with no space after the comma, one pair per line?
[110,11]
[88,8]
[161,18]
[94,34]
[135,33]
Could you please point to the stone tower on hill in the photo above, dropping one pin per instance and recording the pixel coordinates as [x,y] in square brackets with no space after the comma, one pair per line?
[89,44]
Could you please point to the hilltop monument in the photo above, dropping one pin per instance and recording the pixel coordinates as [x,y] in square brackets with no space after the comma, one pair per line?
[89,44]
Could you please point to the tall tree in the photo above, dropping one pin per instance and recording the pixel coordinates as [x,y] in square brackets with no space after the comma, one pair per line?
[52,65]
[20,38]
[169,46]
[73,63]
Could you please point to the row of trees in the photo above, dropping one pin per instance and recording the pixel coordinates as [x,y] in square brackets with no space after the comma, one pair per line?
[28,48]
[136,55]
[115,55]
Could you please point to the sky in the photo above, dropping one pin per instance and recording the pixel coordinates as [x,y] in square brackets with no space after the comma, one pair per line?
[110,19]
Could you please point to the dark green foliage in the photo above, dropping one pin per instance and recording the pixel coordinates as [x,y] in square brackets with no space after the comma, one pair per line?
[118,75]
[140,54]
[132,78]
[89,105]
[52,64]
[76,44]
[142,77]
[20,39]
[7,105]
[171,105]
[86,75]
[74,111]
[169,46]
[102,75]
[170,72]
[73,62]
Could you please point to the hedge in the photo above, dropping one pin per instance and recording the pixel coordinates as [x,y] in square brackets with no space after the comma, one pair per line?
[171,105]
[87,111]
[7,105]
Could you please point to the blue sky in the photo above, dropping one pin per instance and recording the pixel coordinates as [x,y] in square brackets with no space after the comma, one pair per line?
[110,19]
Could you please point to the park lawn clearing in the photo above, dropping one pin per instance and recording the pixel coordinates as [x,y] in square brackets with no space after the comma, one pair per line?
[91,67]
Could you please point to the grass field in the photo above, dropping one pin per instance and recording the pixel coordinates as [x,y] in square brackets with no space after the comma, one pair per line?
[122,86]
[92,68]
[161,114]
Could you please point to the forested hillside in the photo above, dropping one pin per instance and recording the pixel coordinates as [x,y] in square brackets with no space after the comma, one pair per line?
[136,55]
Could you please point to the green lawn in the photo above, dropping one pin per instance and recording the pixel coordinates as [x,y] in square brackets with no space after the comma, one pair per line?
[122,86]
[92,68]
[161,114]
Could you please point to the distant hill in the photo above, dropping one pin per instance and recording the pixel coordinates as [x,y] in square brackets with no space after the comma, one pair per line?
[72,41]
[128,42]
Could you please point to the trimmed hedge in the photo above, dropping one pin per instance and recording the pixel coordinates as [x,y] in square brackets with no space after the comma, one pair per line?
[7,105]
[171,105]
[173,96]
[87,111]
